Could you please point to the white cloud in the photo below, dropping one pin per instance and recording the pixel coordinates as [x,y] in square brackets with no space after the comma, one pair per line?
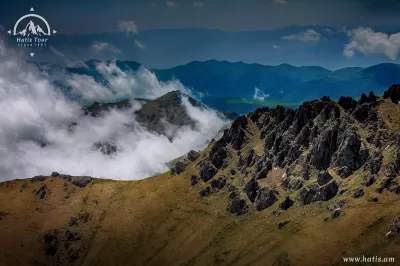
[37,136]
[307,36]
[280,2]
[198,4]
[56,52]
[71,63]
[276,46]
[369,42]
[259,95]
[171,4]
[139,44]
[104,46]
[128,26]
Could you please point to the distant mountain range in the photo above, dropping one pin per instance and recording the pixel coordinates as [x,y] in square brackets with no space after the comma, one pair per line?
[166,48]
[231,86]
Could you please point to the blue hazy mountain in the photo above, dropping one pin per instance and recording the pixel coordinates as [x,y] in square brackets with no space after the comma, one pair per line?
[166,48]
[241,87]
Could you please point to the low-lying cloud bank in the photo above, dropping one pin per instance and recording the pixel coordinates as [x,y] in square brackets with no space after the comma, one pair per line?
[42,131]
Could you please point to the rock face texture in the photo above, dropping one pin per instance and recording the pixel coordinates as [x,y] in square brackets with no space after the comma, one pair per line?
[319,147]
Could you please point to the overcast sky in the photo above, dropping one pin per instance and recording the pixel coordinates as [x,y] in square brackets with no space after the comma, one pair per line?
[94,16]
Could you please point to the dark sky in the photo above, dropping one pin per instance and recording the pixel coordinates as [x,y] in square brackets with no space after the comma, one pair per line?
[95,16]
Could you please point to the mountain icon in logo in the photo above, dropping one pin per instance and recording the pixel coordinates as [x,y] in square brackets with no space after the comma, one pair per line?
[32,29]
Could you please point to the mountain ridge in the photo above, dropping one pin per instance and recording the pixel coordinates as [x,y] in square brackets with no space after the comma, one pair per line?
[282,186]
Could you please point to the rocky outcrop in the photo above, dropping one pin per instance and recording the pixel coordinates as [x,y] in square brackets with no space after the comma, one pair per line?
[286,203]
[193,155]
[206,191]
[347,103]
[313,192]
[369,180]
[265,198]
[251,189]
[237,205]
[179,168]
[349,153]
[323,178]
[393,93]
[218,184]
[208,171]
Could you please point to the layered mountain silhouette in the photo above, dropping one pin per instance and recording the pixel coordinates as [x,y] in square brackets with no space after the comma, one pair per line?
[32,29]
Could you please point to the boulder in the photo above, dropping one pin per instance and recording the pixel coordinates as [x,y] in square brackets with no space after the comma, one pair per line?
[206,191]
[208,172]
[282,224]
[384,184]
[313,193]
[55,174]
[323,178]
[358,193]
[265,198]
[393,93]
[390,170]
[251,189]
[369,180]
[347,103]
[237,206]
[82,181]
[179,167]
[193,155]
[336,213]
[219,183]
[348,152]
[218,154]
[194,180]
[286,203]
[344,172]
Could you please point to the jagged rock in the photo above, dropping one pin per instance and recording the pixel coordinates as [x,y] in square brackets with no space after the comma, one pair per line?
[179,168]
[218,154]
[394,188]
[237,205]
[390,170]
[305,172]
[55,174]
[233,171]
[218,183]
[263,173]
[347,102]
[67,177]
[323,178]
[375,162]
[369,180]
[82,181]
[38,178]
[364,112]
[193,155]
[348,153]
[313,193]
[206,191]
[42,191]
[344,172]
[194,180]
[393,93]
[286,203]
[323,147]
[282,224]
[208,172]
[336,213]
[384,184]
[251,189]
[358,193]
[235,135]
[265,198]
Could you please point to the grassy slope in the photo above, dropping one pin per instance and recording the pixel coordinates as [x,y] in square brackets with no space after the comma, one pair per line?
[163,221]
